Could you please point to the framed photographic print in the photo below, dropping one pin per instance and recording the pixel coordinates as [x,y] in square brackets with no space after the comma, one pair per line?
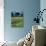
[17,19]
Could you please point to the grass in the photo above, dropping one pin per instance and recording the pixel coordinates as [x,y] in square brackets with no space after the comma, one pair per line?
[17,21]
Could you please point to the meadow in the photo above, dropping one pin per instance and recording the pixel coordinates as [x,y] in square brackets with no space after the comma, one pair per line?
[17,21]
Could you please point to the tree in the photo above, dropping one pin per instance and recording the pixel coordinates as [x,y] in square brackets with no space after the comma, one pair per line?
[12,14]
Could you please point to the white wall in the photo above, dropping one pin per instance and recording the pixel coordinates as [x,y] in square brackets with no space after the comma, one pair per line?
[43,6]
[1,21]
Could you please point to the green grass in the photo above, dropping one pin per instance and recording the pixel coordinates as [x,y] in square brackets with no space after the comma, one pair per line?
[17,21]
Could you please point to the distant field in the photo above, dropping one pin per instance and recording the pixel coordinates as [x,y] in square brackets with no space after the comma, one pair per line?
[17,21]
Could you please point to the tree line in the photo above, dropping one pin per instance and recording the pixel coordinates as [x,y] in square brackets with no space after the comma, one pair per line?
[16,14]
